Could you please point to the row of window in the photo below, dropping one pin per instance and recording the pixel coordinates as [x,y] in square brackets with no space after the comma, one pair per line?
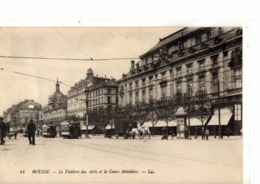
[102,100]
[189,69]
[78,113]
[102,92]
[76,106]
[76,92]
[236,79]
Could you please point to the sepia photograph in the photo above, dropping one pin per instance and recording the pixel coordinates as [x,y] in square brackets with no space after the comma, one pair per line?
[121,104]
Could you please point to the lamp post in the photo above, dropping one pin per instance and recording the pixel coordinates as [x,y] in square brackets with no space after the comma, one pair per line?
[219,119]
[86,101]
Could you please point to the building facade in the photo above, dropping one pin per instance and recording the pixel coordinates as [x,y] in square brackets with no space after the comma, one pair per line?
[76,104]
[77,94]
[189,60]
[101,99]
[102,96]
[56,110]
[20,114]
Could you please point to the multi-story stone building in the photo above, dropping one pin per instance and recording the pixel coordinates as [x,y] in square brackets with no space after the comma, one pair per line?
[102,96]
[187,61]
[77,94]
[20,114]
[101,99]
[76,103]
[56,110]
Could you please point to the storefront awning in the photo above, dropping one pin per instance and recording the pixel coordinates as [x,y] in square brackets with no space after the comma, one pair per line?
[90,127]
[225,116]
[196,122]
[171,123]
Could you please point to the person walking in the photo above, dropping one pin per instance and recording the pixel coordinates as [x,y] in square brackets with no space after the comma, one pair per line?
[3,129]
[215,133]
[31,128]
[207,134]
[165,136]
[228,132]
[202,133]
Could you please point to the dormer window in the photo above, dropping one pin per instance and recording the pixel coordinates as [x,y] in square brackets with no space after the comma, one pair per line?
[146,61]
[198,40]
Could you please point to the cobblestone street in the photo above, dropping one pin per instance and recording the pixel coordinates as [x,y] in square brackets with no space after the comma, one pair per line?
[102,160]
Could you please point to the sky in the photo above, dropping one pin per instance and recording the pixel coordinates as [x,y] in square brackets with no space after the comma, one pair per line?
[72,43]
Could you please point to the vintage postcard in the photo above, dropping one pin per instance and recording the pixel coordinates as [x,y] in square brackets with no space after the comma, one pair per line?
[121,104]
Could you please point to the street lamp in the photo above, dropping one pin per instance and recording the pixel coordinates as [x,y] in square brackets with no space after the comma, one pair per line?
[86,102]
[219,118]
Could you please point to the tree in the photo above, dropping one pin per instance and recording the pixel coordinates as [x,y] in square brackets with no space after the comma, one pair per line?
[141,112]
[166,109]
[200,106]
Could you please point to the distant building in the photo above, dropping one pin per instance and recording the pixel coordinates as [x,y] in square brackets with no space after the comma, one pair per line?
[20,114]
[187,61]
[56,110]
[76,101]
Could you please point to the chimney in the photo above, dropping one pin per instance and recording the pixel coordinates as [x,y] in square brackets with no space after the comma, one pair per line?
[132,64]
[137,65]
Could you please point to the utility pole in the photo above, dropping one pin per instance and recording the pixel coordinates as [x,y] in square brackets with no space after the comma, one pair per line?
[189,111]
[219,118]
[87,136]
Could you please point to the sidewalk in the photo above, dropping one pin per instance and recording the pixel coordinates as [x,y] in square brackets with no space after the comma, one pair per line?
[158,137]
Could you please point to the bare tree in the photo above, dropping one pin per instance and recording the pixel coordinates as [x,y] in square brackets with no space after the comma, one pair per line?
[200,106]
[141,112]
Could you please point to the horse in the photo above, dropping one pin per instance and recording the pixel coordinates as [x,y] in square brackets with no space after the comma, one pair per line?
[143,132]
[131,134]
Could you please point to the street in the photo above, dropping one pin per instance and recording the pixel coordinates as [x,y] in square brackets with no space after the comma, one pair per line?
[116,160]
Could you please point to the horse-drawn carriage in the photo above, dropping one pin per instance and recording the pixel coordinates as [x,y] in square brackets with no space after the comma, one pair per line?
[124,129]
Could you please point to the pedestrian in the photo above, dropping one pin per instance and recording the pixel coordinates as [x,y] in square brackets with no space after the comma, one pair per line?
[228,132]
[172,134]
[207,134]
[15,132]
[3,129]
[202,133]
[165,136]
[196,133]
[31,128]
[215,133]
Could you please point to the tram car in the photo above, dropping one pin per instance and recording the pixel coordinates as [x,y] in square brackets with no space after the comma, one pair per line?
[70,129]
[49,130]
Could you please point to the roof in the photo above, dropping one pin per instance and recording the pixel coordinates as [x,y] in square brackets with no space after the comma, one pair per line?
[170,38]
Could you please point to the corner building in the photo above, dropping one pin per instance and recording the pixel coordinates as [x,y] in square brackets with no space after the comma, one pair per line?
[187,61]
[77,94]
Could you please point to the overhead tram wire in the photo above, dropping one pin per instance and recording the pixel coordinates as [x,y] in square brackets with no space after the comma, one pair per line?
[91,59]
[34,76]
[65,59]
